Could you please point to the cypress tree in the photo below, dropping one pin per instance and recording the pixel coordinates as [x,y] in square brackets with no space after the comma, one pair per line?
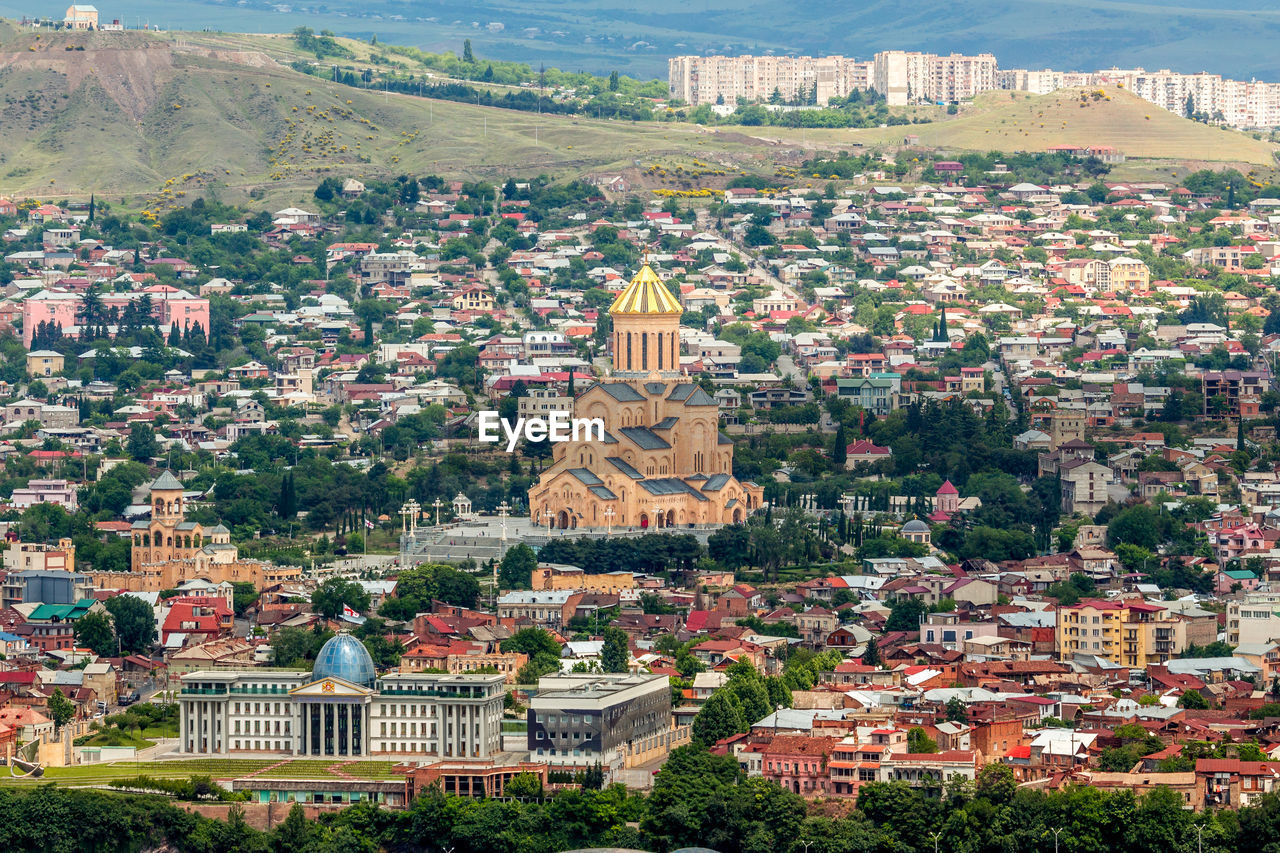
[288,505]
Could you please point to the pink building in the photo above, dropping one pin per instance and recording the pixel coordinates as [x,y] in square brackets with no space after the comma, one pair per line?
[58,492]
[169,305]
[799,763]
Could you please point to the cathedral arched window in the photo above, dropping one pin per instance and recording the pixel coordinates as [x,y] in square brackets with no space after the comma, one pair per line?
[628,350]
[659,350]
[644,351]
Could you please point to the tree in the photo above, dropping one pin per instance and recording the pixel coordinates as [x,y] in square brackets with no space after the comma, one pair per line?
[93,631]
[331,595]
[243,595]
[416,588]
[517,566]
[287,506]
[613,82]
[905,615]
[996,784]
[1137,525]
[871,657]
[840,453]
[918,741]
[956,710]
[532,642]
[142,444]
[60,708]
[135,623]
[292,647]
[718,718]
[467,55]
[524,786]
[616,654]
[1193,700]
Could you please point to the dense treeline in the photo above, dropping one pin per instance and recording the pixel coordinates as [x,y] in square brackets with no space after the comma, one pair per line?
[699,799]
[650,553]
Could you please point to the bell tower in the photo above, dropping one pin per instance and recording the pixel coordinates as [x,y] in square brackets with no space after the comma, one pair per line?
[646,329]
[166,499]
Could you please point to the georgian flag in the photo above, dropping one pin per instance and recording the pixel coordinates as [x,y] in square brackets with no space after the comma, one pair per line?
[368,524]
[347,611]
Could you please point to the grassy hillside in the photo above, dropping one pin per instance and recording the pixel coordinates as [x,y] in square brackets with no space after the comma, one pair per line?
[129,112]
[1016,121]
[1231,37]
[123,114]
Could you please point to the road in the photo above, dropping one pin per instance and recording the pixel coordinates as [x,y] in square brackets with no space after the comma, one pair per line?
[787,367]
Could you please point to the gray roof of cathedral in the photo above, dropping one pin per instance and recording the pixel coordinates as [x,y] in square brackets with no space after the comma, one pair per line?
[700,398]
[715,482]
[645,438]
[670,486]
[624,466]
[586,477]
[622,392]
[602,492]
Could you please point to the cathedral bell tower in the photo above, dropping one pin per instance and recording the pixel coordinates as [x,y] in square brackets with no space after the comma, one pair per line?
[646,329]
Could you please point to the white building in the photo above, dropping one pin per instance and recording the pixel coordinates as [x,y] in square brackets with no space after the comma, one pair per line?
[341,708]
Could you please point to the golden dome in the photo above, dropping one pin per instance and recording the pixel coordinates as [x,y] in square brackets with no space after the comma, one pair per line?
[646,294]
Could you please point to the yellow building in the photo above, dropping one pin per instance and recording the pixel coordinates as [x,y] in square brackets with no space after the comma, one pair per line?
[552,576]
[1123,274]
[663,462]
[1131,632]
[168,550]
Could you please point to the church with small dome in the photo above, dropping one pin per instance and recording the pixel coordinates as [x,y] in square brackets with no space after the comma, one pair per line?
[168,549]
[664,462]
[342,708]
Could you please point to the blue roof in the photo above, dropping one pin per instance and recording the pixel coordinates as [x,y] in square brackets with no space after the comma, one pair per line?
[345,657]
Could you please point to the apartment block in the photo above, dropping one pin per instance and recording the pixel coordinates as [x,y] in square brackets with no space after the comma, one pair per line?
[732,80]
[1131,632]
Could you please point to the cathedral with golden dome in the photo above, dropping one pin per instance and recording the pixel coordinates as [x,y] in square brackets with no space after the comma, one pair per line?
[663,462]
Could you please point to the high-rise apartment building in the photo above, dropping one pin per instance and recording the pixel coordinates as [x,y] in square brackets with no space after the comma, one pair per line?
[914,77]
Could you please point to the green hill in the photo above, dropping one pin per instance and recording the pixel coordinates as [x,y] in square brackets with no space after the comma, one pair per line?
[1017,121]
[130,113]
[122,113]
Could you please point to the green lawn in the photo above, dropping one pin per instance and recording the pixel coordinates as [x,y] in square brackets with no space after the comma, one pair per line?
[218,768]
[115,737]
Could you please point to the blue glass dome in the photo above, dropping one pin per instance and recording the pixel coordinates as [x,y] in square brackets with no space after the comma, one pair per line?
[345,657]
